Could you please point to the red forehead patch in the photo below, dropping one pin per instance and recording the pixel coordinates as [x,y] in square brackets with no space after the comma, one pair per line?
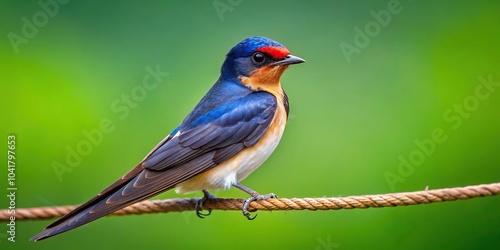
[274,52]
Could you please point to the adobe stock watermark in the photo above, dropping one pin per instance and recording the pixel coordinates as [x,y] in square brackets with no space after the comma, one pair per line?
[122,107]
[454,117]
[186,216]
[363,36]
[223,6]
[31,26]
[12,186]
[326,244]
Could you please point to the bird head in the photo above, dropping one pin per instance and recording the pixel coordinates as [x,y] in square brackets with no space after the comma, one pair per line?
[258,63]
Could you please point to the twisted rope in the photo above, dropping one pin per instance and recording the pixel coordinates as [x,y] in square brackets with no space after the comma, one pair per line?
[350,202]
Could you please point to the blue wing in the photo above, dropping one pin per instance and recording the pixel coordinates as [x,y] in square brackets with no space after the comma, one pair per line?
[225,130]
[201,142]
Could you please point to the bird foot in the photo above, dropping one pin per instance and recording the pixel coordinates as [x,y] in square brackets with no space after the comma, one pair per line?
[199,204]
[256,197]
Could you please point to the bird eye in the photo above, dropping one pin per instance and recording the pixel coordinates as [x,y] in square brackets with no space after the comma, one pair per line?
[258,57]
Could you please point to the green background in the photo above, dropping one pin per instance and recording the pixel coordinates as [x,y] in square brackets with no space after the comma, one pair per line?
[349,123]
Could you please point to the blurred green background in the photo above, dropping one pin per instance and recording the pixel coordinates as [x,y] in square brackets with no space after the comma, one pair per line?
[353,118]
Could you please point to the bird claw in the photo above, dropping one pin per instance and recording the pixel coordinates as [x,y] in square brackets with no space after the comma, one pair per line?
[198,211]
[256,197]
[199,204]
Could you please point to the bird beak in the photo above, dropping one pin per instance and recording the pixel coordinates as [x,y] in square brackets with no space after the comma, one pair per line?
[289,59]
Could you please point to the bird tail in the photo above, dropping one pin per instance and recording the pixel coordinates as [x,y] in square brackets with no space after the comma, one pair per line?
[112,199]
[138,184]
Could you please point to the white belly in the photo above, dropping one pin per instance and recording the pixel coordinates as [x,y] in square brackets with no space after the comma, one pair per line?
[237,168]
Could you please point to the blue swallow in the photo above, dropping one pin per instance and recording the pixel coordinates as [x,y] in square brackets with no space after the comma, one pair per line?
[233,129]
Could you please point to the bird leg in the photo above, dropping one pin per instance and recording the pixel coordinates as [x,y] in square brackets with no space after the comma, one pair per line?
[254,197]
[199,204]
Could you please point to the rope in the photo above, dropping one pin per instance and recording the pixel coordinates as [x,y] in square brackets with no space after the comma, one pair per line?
[350,202]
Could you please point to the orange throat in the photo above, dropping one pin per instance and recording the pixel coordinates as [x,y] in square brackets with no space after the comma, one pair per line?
[265,79]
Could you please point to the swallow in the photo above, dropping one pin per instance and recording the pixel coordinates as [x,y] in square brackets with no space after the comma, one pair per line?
[232,130]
